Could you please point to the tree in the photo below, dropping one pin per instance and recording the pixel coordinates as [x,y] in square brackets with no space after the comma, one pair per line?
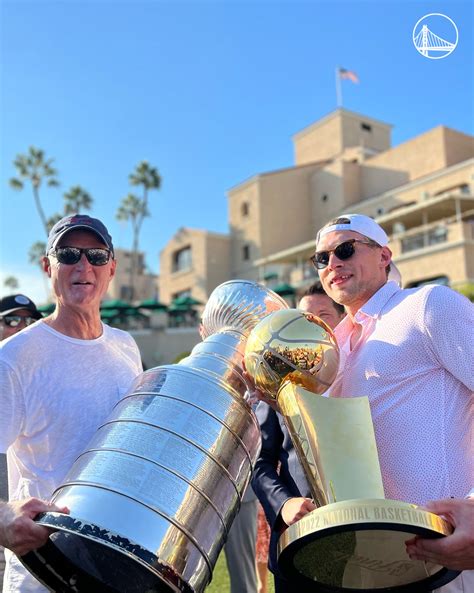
[133,209]
[146,176]
[35,256]
[35,168]
[11,282]
[52,220]
[77,200]
[136,210]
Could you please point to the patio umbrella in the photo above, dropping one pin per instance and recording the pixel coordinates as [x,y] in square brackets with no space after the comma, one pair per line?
[47,309]
[152,305]
[109,313]
[284,289]
[114,304]
[174,308]
[132,312]
[186,301]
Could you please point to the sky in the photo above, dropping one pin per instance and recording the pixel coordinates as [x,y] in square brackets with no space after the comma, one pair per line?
[210,93]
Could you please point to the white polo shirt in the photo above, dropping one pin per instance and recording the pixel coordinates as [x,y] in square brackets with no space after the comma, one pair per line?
[415,362]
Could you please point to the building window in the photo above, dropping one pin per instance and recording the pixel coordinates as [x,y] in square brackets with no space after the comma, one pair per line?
[246,252]
[443,280]
[182,259]
[324,198]
[182,294]
[380,211]
[125,293]
[365,127]
[421,240]
[245,209]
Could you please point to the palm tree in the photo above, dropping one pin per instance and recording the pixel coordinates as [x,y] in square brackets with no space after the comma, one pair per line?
[77,200]
[134,210]
[52,220]
[146,176]
[35,168]
[11,282]
[35,256]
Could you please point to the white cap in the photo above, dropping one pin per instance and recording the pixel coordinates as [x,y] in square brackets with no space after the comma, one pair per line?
[366,226]
[358,223]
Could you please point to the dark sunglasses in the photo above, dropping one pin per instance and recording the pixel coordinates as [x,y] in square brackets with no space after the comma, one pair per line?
[96,256]
[343,251]
[15,320]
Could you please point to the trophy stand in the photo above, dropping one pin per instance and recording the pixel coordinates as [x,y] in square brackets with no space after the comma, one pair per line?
[355,540]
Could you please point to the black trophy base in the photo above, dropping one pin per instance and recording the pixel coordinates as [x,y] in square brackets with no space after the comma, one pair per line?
[81,559]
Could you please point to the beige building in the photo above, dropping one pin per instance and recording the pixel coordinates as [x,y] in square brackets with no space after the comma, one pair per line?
[421,192]
[145,284]
[192,264]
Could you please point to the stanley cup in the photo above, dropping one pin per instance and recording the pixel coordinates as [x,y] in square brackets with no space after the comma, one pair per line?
[153,497]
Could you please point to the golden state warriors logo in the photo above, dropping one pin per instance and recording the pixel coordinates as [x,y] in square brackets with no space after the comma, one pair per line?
[435,36]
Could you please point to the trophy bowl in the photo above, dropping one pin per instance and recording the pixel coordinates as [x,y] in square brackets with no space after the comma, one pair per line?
[292,346]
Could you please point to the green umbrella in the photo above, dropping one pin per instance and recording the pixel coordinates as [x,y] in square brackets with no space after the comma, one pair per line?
[284,289]
[109,313]
[174,308]
[270,276]
[114,304]
[151,304]
[47,309]
[132,312]
[186,301]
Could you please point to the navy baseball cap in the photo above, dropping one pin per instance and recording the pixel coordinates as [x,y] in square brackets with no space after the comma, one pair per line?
[16,302]
[74,222]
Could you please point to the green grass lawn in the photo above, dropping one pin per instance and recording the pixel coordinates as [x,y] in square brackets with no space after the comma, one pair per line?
[220,580]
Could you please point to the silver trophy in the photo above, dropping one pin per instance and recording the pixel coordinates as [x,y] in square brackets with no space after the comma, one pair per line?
[153,497]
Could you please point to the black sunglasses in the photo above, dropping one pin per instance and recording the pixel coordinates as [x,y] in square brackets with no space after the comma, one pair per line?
[15,320]
[343,251]
[96,256]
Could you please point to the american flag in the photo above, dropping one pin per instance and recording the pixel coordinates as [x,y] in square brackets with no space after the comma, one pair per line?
[344,73]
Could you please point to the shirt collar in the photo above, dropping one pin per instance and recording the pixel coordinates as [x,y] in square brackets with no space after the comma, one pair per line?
[374,306]
[371,309]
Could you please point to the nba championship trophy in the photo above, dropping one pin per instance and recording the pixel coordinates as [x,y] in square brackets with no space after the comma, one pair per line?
[153,497]
[355,539]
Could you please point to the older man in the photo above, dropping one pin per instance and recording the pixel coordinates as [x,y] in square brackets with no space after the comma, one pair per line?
[411,352]
[278,478]
[60,378]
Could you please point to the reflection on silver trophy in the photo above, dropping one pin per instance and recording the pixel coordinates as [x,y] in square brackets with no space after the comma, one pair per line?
[153,497]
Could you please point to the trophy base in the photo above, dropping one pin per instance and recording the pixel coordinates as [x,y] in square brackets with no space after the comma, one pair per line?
[359,545]
[79,557]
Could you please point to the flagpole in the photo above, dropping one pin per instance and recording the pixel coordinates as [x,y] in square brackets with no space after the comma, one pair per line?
[338,87]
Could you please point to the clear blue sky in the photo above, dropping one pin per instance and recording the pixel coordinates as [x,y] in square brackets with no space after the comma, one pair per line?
[208,92]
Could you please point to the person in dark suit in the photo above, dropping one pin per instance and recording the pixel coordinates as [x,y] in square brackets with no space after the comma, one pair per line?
[278,478]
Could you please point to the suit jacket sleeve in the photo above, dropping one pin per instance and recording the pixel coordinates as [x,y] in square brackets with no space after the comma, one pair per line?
[273,488]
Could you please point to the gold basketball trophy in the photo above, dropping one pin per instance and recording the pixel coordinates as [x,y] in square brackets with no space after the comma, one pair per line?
[355,539]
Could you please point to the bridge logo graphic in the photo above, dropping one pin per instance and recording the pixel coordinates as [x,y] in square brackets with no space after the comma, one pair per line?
[431,45]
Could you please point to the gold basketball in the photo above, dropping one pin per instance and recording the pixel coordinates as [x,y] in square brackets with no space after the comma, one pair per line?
[292,345]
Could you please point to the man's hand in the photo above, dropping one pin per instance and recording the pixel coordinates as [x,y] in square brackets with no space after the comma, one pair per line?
[18,531]
[455,551]
[295,509]
[255,394]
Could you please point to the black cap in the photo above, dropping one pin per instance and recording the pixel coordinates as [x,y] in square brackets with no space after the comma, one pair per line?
[16,302]
[78,221]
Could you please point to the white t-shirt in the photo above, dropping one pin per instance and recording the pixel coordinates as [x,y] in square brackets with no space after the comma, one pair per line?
[55,391]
